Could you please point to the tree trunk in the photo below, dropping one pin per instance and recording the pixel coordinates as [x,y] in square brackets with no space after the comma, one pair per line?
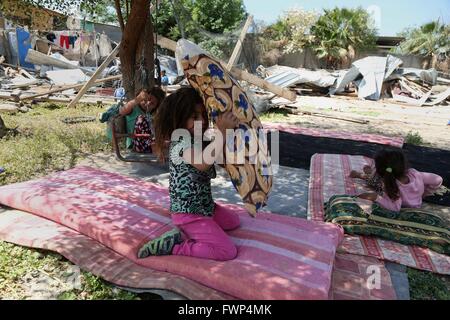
[3,129]
[137,52]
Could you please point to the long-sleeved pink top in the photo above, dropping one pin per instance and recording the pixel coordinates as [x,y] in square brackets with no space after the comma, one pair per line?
[420,184]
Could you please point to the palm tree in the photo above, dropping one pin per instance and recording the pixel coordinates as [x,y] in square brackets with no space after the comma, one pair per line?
[340,32]
[431,40]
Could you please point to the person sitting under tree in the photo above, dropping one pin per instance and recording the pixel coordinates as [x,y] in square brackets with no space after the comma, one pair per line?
[139,118]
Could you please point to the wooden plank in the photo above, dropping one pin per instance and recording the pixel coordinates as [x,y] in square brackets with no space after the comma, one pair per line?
[237,49]
[238,73]
[297,111]
[86,99]
[166,43]
[39,58]
[263,84]
[91,81]
[75,86]
[21,85]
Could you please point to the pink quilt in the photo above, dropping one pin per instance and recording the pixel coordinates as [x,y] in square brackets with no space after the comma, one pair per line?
[364,137]
[349,280]
[278,257]
[329,175]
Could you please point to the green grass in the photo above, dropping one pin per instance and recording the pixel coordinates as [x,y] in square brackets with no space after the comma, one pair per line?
[428,286]
[275,115]
[414,138]
[17,262]
[45,144]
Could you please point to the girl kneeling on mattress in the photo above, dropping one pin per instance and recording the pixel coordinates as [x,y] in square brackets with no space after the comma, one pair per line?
[397,185]
[194,213]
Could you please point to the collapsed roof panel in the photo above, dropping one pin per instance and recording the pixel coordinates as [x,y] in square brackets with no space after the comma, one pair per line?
[286,76]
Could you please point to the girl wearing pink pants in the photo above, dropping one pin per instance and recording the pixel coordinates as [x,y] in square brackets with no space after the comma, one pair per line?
[201,223]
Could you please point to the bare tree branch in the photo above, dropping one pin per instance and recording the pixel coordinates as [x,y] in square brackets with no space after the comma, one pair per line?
[119,14]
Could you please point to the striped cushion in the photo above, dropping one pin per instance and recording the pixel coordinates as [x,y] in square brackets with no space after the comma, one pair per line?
[278,257]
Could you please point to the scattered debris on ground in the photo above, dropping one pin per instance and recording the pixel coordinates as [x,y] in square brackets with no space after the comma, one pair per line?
[371,78]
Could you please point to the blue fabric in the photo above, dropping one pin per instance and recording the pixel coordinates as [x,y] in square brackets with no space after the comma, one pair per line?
[111,112]
[24,43]
[165,81]
[119,93]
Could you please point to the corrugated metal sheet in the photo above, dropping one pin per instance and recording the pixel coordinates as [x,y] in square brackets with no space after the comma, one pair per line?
[287,76]
[285,79]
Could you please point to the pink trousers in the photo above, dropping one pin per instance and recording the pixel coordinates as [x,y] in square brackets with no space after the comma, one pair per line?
[205,237]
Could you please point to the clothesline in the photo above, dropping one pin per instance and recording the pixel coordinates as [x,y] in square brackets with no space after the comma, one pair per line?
[76,44]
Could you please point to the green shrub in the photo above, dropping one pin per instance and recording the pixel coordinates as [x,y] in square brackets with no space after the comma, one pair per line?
[414,138]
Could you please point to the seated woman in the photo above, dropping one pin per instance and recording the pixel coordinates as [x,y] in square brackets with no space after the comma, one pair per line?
[139,118]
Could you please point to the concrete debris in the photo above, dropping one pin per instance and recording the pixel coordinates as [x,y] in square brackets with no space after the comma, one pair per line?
[371,78]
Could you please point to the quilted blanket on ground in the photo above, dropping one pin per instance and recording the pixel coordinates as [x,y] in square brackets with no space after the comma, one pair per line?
[278,257]
[329,176]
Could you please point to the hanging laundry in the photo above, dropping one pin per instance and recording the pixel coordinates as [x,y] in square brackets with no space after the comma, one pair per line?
[64,40]
[51,37]
[72,40]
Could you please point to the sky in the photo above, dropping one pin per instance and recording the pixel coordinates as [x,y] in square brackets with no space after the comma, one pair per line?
[391,16]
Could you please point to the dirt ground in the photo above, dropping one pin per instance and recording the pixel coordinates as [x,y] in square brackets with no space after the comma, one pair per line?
[384,118]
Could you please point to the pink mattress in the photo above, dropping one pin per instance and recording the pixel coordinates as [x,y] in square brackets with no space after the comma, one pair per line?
[329,175]
[314,132]
[278,257]
[349,279]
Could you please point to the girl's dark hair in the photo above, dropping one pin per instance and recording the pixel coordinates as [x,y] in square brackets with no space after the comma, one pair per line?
[172,114]
[391,165]
[159,94]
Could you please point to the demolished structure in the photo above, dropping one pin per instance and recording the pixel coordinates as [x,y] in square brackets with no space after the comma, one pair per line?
[372,77]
